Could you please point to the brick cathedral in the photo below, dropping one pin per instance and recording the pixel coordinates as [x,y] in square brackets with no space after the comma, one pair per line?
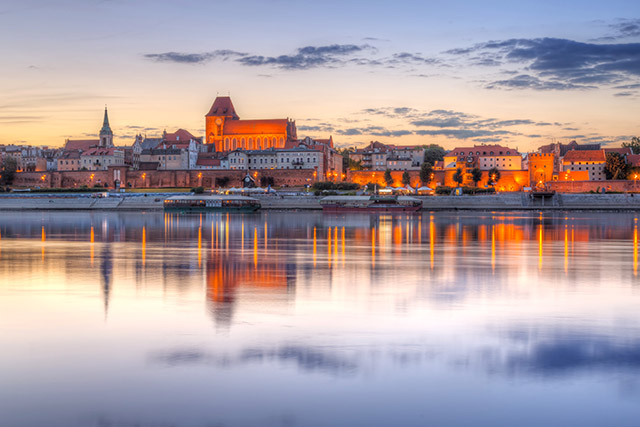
[227,132]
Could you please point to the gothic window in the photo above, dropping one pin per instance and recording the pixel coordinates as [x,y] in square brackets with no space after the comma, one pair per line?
[242,143]
[251,143]
[281,141]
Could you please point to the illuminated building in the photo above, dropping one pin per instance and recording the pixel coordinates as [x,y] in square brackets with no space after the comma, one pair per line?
[226,132]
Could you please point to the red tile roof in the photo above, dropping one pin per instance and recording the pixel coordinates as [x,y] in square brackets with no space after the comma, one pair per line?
[179,135]
[255,127]
[81,144]
[633,160]
[584,156]
[623,151]
[208,161]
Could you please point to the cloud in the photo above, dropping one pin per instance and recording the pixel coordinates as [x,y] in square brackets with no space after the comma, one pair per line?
[525,81]
[193,58]
[485,140]
[623,94]
[374,131]
[461,133]
[558,64]
[411,58]
[304,58]
[308,57]
[439,122]
[622,29]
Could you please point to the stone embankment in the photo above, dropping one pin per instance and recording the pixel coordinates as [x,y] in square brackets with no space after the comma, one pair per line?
[508,201]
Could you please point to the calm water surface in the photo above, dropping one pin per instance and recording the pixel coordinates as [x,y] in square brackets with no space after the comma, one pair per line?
[305,319]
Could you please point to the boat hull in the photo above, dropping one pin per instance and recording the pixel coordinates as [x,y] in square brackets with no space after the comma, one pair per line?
[200,209]
[379,209]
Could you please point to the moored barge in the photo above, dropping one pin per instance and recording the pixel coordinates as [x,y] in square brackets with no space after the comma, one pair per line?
[370,204]
[202,203]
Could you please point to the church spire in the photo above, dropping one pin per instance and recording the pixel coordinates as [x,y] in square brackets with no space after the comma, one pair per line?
[106,135]
[105,124]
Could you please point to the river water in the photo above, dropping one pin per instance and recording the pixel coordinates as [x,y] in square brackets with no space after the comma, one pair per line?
[307,319]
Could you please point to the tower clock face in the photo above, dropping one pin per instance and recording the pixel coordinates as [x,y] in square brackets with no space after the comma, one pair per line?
[218,121]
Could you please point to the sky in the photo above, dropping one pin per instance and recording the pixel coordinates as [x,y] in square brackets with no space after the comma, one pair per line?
[454,73]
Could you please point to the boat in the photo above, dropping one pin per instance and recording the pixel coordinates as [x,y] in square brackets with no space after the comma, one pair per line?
[370,204]
[204,203]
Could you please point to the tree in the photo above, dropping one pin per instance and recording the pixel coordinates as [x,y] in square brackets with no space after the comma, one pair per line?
[265,181]
[476,175]
[9,168]
[354,165]
[494,176]
[425,173]
[406,178]
[388,178]
[615,167]
[457,177]
[634,145]
[433,153]
[222,182]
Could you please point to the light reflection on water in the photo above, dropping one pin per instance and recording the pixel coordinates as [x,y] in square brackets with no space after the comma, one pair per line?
[309,319]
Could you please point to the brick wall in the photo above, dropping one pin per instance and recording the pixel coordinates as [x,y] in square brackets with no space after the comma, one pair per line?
[151,179]
[586,186]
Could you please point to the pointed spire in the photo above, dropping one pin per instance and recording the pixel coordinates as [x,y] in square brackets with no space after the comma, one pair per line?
[106,129]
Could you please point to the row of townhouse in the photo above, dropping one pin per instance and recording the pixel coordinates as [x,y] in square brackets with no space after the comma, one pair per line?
[26,157]
[378,156]
[308,154]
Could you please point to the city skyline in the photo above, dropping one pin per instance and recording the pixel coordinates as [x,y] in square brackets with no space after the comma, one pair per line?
[407,73]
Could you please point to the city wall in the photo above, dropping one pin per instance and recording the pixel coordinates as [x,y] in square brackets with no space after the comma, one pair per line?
[155,179]
[618,186]
[509,180]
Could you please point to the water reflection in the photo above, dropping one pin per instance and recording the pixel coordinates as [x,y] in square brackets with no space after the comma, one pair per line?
[510,305]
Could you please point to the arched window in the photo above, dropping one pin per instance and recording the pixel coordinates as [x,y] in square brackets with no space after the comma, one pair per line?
[273,141]
[233,144]
[242,143]
[251,147]
[281,142]
[226,144]
[259,144]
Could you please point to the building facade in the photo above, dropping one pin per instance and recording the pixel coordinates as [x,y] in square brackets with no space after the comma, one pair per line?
[592,161]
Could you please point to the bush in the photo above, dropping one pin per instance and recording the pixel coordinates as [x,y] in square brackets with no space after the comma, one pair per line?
[443,190]
[197,190]
[67,190]
[328,185]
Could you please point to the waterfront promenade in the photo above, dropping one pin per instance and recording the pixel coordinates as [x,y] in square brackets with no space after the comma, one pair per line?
[507,201]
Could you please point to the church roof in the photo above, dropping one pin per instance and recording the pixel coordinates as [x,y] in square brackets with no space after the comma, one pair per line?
[255,127]
[223,106]
[179,135]
[81,144]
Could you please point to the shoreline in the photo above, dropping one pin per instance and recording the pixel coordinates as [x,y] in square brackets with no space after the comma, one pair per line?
[499,202]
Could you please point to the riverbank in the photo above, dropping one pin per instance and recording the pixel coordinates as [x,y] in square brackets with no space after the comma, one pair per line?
[507,201]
